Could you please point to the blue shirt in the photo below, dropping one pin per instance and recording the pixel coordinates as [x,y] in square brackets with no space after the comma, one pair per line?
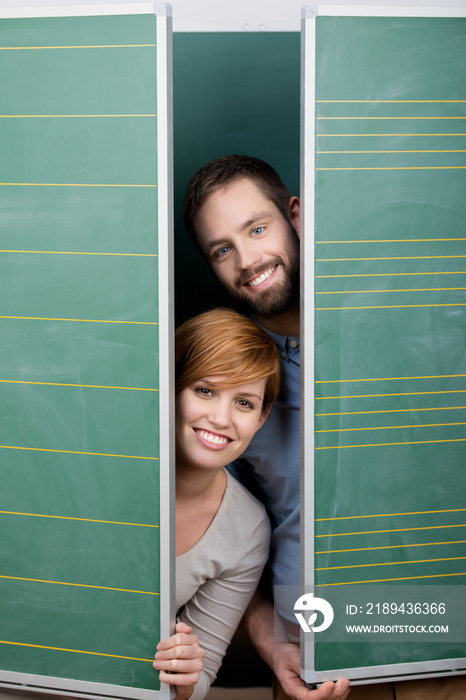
[270,468]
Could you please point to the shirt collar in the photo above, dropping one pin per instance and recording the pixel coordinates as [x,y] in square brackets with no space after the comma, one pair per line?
[282,341]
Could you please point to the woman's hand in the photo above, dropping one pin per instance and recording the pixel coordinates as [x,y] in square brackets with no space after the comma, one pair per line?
[179,660]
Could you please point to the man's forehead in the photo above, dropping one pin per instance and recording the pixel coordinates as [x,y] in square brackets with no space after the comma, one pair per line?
[237,204]
[237,187]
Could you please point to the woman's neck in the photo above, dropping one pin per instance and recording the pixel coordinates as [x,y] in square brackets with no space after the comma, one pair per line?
[194,484]
[199,493]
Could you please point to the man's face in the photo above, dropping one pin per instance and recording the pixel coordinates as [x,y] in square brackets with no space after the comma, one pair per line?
[251,247]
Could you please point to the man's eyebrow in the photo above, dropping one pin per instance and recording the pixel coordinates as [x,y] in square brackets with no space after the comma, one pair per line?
[213,244]
[254,219]
[246,224]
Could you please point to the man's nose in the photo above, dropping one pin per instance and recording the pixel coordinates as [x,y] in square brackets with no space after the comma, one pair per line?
[248,256]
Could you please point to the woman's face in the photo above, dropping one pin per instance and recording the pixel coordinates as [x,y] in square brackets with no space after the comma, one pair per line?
[215,425]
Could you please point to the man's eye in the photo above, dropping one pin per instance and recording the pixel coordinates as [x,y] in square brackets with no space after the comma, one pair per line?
[220,252]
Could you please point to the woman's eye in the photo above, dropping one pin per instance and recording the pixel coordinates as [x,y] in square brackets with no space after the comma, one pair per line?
[256,231]
[245,404]
[203,391]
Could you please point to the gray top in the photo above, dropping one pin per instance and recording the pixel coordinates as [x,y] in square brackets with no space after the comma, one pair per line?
[216,578]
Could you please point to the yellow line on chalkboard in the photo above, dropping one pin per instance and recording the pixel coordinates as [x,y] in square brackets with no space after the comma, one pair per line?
[399,306]
[74,452]
[65,184]
[84,46]
[85,386]
[402,529]
[66,517]
[79,585]
[390,546]
[399,257]
[391,240]
[393,410]
[389,563]
[391,515]
[79,320]
[381,580]
[393,274]
[408,393]
[411,134]
[391,101]
[423,151]
[73,651]
[79,252]
[385,291]
[387,427]
[411,167]
[389,379]
[69,116]
[388,444]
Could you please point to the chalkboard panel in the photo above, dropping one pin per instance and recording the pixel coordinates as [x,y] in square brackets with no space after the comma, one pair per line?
[385,410]
[85,348]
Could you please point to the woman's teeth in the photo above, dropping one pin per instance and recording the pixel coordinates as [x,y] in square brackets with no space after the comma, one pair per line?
[210,437]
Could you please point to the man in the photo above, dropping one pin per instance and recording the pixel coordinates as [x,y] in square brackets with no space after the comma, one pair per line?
[246,225]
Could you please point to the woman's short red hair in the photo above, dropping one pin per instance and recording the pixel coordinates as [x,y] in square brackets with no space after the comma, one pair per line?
[223,343]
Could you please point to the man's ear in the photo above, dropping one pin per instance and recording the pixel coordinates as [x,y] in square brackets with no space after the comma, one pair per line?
[295,213]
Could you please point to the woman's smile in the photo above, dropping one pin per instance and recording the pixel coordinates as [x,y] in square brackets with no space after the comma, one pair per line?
[212,440]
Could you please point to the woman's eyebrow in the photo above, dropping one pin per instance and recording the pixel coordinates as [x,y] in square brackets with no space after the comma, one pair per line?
[250,396]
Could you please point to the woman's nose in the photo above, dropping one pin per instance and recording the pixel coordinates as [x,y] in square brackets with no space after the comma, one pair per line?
[220,414]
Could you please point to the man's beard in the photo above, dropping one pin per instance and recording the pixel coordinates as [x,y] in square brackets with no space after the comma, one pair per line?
[277,299]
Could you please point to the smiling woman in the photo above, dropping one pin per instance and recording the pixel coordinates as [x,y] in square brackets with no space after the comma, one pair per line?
[227,377]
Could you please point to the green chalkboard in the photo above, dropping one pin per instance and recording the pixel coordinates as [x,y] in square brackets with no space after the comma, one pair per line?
[85,336]
[385,411]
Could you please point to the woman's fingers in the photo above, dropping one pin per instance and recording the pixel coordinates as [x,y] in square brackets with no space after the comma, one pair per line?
[179,657]
[184,665]
[181,639]
[178,653]
[182,680]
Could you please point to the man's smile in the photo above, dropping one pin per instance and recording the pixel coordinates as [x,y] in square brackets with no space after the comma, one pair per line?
[262,277]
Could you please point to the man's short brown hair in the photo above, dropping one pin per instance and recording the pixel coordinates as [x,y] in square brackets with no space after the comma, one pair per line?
[222,172]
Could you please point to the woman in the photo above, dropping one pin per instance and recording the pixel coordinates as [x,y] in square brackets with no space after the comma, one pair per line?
[227,377]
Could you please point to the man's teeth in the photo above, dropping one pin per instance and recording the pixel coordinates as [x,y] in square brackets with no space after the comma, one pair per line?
[258,280]
[210,437]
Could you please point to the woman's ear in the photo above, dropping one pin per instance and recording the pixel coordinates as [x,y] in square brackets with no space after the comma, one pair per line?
[262,419]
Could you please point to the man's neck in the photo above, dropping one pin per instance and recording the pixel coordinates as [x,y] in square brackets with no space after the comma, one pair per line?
[284,324]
